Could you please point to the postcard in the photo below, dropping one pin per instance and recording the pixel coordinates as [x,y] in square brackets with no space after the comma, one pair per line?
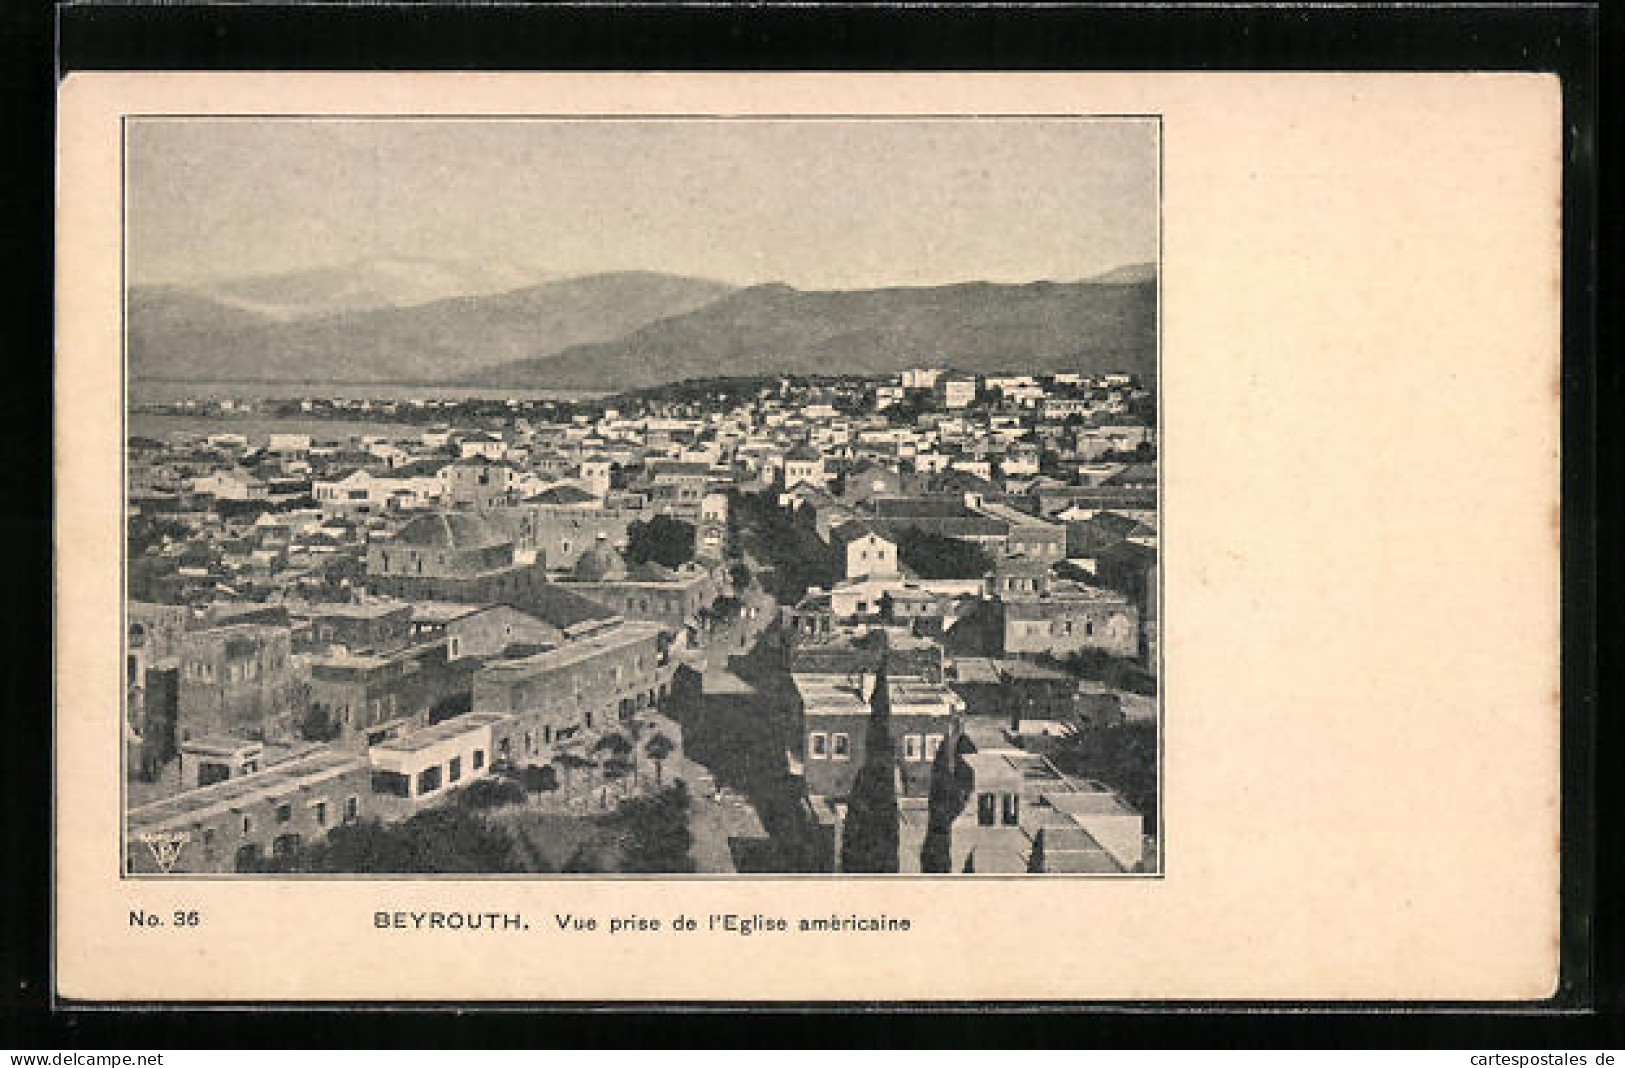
[807,537]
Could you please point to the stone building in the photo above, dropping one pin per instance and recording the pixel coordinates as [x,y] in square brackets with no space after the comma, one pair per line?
[368,697]
[374,625]
[479,631]
[236,823]
[476,483]
[558,698]
[1068,618]
[559,533]
[835,715]
[646,591]
[465,558]
[238,679]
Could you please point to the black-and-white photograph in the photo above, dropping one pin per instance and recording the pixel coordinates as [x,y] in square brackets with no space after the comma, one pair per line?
[617,496]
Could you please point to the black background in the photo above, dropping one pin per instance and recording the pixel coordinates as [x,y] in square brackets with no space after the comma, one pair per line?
[39,44]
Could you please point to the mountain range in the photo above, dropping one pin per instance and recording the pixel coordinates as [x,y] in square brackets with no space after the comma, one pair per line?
[629,329]
[380,282]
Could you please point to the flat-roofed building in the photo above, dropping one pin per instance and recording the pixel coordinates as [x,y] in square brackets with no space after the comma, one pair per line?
[424,763]
[955,390]
[238,679]
[559,533]
[373,625]
[476,482]
[1068,618]
[835,714]
[1026,815]
[849,651]
[216,758]
[370,697]
[235,824]
[583,686]
[1024,692]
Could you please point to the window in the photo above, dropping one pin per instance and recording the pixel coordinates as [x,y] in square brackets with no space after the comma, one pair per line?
[321,813]
[208,841]
[841,747]
[454,769]
[352,809]
[1089,628]
[1012,809]
[479,756]
[392,783]
[210,772]
[248,825]
[429,780]
[284,813]
[818,745]
[911,747]
[986,807]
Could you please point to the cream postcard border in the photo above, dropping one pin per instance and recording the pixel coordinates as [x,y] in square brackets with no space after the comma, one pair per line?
[1360,415]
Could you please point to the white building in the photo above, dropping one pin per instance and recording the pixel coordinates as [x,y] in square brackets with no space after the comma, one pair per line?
[864,551]
[922,377]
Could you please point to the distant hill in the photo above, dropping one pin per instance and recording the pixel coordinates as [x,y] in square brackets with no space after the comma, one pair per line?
[182,333]
[385,282]
[773,329]
[1136,272]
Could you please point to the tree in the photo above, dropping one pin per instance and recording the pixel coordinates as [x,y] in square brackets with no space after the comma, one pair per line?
[452,705]
[149,532]
[951,784]
[1035,860]
[658,748]
[869,836]
[318,724]
[656,835]
[662,540]
[443,839]
[571,762]
[936,556]
[490,793]
[539,779]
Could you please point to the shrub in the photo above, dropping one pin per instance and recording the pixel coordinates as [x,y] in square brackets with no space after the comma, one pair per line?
[539,779]
[490,793]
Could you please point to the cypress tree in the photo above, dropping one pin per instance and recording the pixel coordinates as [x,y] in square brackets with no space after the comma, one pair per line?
[951,785]
[869,836]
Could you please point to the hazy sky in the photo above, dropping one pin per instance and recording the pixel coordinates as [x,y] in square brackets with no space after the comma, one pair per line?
[817,204]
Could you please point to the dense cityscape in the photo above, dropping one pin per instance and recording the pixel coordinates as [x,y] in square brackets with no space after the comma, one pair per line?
[860,624]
